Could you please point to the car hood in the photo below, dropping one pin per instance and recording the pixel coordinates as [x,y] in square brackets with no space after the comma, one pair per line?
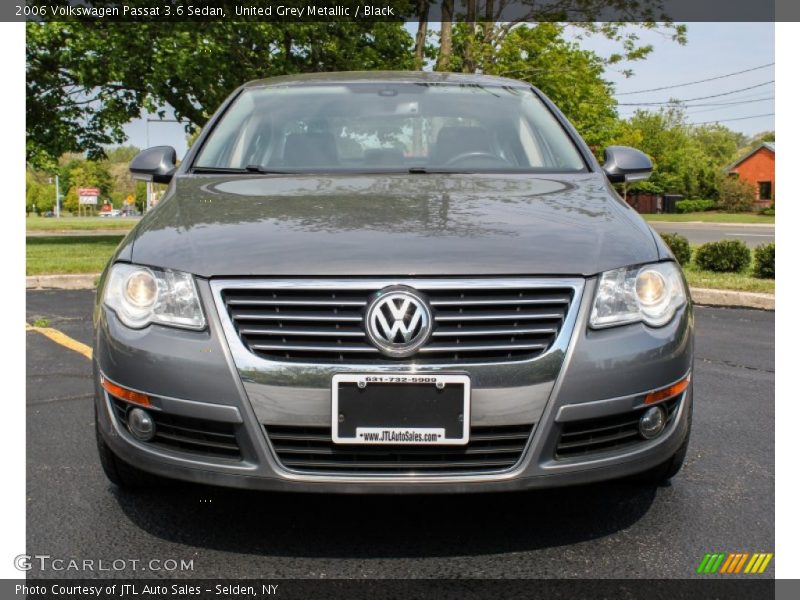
[395,225]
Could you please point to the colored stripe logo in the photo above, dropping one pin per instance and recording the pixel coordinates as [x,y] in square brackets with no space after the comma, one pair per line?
[734,563]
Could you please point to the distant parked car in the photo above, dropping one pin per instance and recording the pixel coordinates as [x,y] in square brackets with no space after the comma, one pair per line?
[111,213]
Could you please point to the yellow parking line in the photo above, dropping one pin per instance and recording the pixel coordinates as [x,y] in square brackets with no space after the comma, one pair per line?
[62,339]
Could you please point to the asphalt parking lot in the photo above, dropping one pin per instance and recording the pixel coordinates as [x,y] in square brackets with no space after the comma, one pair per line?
[723,500]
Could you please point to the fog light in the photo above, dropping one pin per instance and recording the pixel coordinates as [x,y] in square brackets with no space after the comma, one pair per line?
[652,422]
[141,425]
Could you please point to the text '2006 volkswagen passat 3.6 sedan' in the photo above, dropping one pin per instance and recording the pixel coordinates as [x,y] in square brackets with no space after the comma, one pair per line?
[391,282]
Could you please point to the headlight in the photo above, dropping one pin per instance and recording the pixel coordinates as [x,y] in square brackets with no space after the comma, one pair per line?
[141,295]
[651,293]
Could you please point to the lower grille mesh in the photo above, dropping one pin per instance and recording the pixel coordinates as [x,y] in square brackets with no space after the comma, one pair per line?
[311,449]
[197,436]
[591,436]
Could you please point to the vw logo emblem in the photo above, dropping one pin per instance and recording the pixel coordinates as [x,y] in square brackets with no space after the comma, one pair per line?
[398,322]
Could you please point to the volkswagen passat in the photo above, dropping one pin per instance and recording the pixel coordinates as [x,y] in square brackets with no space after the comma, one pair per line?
[391,282]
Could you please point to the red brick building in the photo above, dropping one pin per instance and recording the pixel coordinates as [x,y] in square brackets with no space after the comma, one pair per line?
[758,168]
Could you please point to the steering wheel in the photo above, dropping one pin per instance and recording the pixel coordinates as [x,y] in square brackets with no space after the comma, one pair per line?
[464,156]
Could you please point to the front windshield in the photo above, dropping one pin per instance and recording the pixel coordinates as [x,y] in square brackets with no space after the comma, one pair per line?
[388,127]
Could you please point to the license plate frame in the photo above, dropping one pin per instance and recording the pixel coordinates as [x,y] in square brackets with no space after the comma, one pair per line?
[421,406]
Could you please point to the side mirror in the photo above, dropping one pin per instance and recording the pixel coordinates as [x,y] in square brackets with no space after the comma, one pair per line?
[624,164]
[155,164]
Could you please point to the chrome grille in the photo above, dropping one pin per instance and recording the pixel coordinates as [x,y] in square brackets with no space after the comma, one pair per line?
[310,449]
[477,321]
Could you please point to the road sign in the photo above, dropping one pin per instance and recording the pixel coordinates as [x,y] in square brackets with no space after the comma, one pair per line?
[88,196]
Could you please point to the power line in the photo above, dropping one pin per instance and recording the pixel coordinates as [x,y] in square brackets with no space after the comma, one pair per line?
[705,110]
[681,101]
[677,85]
[704,106]
[729,103]
[736,119]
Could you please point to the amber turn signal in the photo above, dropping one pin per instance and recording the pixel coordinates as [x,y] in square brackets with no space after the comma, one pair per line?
[124,393]
[667,392]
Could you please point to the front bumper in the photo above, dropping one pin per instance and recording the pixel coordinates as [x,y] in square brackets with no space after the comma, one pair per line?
[596,374]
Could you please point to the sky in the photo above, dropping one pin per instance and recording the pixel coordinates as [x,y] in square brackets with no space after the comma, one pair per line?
[712,50]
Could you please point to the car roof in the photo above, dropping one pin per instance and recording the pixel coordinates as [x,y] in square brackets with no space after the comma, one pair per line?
[388,77]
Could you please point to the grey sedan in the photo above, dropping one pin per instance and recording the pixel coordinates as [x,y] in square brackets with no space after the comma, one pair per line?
[391,282]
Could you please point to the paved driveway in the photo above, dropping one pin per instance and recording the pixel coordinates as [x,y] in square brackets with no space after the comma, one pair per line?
[723,500]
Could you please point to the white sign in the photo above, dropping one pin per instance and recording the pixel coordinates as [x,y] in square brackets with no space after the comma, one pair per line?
[88,196]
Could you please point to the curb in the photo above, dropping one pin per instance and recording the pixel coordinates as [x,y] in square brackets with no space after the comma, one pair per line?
[77,233]
[733,299]
[81,281]
[700,296]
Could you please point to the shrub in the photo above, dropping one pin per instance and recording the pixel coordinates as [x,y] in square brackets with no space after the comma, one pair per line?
[725,256]
[690,206]
[764,261]
[736,195]
[768,210]
[679,246]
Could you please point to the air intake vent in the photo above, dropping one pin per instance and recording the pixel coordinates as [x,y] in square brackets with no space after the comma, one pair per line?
[490,322]
[592,436]
[311,450]
[196,436]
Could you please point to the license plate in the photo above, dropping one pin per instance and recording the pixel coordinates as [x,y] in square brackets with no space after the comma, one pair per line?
[400,409]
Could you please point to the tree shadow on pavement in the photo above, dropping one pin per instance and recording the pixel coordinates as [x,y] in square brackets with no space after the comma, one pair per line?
[349,526]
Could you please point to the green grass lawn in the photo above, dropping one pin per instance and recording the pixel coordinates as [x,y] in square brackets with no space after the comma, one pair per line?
[73,254]
[89,254]
[712,217]
[70,223]
[742,282]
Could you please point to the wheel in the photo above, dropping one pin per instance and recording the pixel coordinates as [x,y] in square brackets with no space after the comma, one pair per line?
[119,472]
[669,468]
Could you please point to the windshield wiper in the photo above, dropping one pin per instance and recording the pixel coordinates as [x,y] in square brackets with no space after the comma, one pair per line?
[429,171]
[264,170]
[217,170]
[237,170]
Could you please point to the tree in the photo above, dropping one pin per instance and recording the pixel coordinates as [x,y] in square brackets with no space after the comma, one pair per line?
[85,80]
[121,154]
[764,136]
[571,77]
[718,147]
[483,26]
[87,173]
[687,159]
[719,144]
[736,195]
[39,192]
[664,137]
